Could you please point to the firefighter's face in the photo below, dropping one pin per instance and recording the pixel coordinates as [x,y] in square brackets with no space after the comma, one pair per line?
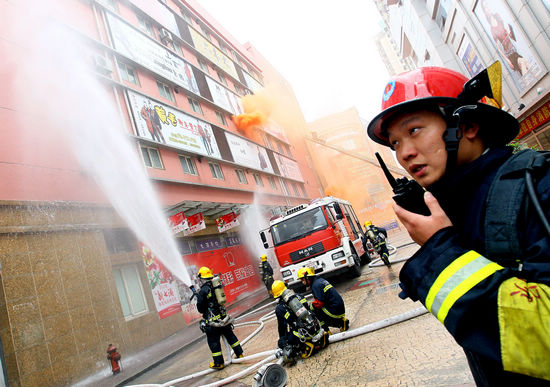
[417,138]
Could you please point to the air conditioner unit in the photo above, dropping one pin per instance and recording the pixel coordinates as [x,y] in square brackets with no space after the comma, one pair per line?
[103,65]
[165,35]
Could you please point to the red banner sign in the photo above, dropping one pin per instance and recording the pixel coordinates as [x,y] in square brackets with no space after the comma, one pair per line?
[227,222]
[535,120]
[177,222]
[196,223]
[163,284]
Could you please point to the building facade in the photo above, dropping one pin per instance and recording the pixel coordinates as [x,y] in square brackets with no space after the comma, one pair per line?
[468,36]
[75,275]
[348,169]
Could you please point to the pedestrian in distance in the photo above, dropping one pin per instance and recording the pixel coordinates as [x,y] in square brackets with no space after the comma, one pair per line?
[483,268]
[216,322]
[327,304]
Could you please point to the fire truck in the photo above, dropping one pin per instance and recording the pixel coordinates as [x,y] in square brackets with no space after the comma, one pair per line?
[324,234]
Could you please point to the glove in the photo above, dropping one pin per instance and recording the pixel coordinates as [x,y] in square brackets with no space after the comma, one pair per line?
[202,326]
[317,304]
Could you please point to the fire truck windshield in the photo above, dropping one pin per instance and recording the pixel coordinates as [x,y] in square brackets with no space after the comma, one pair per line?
[299,226]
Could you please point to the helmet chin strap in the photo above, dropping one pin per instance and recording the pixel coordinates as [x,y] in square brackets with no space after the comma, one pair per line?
[453,133]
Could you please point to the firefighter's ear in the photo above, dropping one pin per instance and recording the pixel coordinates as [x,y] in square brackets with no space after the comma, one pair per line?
[470,130]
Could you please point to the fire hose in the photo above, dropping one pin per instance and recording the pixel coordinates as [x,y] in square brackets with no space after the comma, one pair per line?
[274,370]
[273,374]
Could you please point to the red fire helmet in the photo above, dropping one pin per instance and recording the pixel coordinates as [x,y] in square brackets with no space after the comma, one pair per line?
[429,86]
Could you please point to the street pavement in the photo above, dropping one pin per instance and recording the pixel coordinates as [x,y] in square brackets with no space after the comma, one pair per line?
[416,352]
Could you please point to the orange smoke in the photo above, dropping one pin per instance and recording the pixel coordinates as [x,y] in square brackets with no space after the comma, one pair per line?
[248,122]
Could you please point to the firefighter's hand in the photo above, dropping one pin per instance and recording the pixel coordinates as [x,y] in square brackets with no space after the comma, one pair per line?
[202,326]
[317,304]
[420,227]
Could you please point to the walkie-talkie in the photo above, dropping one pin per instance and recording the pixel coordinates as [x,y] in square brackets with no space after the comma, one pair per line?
[408,193]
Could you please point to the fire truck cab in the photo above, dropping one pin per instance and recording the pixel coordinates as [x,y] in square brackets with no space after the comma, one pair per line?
[324,234]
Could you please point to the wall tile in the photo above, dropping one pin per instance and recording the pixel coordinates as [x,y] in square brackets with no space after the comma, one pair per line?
[33,359]
[57,325]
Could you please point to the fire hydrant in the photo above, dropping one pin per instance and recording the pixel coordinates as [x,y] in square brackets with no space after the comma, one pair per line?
[114,357]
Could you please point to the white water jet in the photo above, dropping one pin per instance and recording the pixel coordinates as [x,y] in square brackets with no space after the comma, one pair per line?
[56,83]
[252,221]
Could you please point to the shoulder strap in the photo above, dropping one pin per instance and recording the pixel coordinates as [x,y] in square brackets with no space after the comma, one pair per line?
[504,201]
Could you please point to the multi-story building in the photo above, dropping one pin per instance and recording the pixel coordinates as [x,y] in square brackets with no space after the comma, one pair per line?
[348,169]
[75,277]
[468,36]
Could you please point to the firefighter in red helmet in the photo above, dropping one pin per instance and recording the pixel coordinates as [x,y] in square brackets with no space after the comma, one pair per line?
[486,236]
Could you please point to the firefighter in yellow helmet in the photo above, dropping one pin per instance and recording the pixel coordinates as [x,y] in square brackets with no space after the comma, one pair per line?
[327,305]
[266,272]
[216,321]
[377,236]
[300,332]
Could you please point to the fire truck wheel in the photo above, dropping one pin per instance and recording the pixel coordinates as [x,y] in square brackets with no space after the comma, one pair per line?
[355,270]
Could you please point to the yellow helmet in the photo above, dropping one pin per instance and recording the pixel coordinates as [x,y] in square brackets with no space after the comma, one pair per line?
[305,271]
[278,288]
[205,273]
[263,258]
[368,223]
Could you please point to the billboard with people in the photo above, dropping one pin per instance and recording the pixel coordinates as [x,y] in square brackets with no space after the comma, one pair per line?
[166,125]
[510,42]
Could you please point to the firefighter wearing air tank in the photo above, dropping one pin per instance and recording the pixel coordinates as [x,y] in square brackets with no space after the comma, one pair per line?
[266,272]
[327,305]
[378,236]
[216,321]
[300,333]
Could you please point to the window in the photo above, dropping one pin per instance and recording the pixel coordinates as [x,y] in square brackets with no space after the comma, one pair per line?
[238,89]
[130,291]
[188,165]
[258,180]
[241,176]
[295,188]
[128,73]
[216,171]
[221,77]
[268,142]
[111,4]
[146,26]
[185,16]
[221,117]
[120,240]
[195,105]
[284,186]
[223,48]
[303,189]
[205,31]
[280,147]
[165,91]
[151,157]
[287,149]
[203,65]
[272,182]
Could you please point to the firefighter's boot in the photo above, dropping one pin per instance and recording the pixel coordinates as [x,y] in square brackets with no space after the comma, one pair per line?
[308,351]
[215,366]
[345,325]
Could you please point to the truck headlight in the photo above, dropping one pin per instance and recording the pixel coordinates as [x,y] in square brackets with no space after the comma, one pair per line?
[337,255]
[286,273]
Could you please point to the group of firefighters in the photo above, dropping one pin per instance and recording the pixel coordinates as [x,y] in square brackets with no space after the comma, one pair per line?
[303,327]
[480,215]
